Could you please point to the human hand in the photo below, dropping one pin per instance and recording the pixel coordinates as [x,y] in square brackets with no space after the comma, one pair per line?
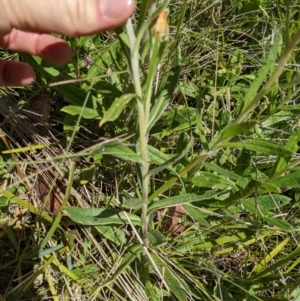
[25,26]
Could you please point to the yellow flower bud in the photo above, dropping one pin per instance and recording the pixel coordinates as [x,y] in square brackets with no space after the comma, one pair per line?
[160,23]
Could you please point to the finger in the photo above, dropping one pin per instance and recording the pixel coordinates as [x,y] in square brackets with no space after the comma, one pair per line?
[68,17]
[46,46]
[15,74]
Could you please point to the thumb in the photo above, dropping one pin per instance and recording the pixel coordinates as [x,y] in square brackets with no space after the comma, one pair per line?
[67,17]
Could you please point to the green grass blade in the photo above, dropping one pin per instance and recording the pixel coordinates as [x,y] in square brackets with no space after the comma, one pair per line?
[262,73]
[170,278]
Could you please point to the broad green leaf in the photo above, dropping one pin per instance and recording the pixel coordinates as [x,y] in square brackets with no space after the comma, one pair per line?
[210,180]
[296,294]
[73,94]
[133,203]
[180,200]
[170,277]
[254,208]
[53,71]
[291,180]
[112,233]
[265,147]
[4,201]
[116,108]
[107,89]
[86,113]
[98,216]
[269,202]
[238,129]
[87,174]
[278,117]
[115,149]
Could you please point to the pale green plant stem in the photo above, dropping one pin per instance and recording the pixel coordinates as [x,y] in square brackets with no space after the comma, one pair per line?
[143,122]
[151,76]
[143,106]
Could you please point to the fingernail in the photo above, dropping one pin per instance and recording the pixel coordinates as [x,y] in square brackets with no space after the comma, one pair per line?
[114,9]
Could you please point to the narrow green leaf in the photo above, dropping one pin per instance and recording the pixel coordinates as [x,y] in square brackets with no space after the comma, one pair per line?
[197,215]
[115,149]
[265,147]
[223,294]
[173,76]
[98,216]
[157,156]
[169,85]
[180,200]
[131,254]
[172,160]
[290,257]
[158,108]
[263,72]
[279,223]
[264,187]
[87,113]
[238,129]
[170,278]
[116,108]
[224,172]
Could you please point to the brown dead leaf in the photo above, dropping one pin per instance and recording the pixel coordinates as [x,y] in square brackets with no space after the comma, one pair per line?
[47,199]
[171,219]
[41,105]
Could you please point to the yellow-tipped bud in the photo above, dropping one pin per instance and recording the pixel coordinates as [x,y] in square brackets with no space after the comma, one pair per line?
[160,23]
